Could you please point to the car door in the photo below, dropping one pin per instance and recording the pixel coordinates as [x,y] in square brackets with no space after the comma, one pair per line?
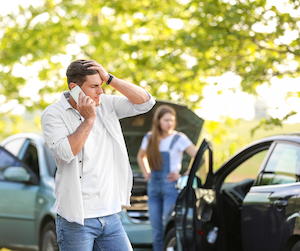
[17,201]
[268,208]
[195,205]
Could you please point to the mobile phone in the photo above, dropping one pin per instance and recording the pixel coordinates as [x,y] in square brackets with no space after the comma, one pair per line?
[75,93]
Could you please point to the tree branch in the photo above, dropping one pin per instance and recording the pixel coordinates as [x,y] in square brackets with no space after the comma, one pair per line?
[278,51]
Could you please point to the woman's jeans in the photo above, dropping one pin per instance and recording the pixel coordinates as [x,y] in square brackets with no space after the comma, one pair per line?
[103,233]
[162,195]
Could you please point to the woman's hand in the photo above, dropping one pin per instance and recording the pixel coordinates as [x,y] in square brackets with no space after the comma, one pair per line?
[173,176]
[143,163]
[147,176]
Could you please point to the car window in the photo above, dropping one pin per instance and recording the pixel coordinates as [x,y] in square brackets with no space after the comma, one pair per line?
[6,160]
[31,159]
[283,165]
[248,169]
[14,146]
[50,161]
[203,169]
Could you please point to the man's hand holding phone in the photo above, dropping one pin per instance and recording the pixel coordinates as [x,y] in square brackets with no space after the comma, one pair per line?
[86,107]
[84,104]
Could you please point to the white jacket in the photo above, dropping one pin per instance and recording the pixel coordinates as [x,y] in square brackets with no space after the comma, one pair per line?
[59,120]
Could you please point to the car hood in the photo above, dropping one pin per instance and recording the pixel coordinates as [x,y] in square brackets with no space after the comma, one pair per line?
[134,129]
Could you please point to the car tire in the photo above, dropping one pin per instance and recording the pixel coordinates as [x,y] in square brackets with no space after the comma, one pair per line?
[296,247]
[48,238]
[170,241]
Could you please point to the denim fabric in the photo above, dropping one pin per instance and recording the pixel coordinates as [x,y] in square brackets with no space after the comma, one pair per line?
[97,234]
[162,195]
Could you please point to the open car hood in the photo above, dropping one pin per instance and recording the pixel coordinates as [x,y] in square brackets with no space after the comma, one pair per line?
[134,129]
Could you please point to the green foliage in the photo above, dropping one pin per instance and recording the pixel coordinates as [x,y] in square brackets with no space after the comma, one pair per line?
[237,135]
[9,124]
[132,39]
[219,133]
[269,124]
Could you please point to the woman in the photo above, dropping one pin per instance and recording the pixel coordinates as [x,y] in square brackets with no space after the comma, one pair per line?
[159,158]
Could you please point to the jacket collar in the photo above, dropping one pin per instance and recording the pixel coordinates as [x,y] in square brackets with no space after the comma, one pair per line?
[64,100]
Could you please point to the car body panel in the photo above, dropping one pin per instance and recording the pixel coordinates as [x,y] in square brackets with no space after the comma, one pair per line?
[275,203]
[267,214]
[25,208]
[17,206]
[194,207]
[139,233]
[17,212]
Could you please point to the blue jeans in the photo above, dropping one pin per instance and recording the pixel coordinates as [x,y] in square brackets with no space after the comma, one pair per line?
[161,196]
[97,234]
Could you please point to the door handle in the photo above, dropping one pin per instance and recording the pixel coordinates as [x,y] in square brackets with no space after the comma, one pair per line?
[280,203]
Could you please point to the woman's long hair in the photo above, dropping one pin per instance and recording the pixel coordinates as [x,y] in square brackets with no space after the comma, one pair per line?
[153,153]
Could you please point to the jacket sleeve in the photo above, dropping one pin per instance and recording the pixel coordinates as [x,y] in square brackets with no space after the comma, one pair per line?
[124,108]
[55,135]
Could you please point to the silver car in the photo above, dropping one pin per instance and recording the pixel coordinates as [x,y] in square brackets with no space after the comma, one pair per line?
[27,221]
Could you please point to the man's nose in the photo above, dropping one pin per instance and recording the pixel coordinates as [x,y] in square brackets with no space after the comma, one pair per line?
[99,90]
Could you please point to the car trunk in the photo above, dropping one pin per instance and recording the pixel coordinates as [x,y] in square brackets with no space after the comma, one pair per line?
[134,129]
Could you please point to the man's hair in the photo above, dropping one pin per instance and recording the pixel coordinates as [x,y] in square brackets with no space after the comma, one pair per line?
[76,72]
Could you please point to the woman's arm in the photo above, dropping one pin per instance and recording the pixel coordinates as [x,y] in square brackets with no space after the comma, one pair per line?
[143,163]
[191,151]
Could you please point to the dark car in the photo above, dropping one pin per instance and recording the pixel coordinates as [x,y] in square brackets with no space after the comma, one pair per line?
[251,203]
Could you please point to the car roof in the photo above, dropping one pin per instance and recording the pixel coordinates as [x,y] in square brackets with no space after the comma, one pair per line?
[292,137]
[36,136]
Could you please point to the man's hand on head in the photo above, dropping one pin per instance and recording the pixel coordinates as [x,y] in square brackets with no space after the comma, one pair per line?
[134,93]
[94,65]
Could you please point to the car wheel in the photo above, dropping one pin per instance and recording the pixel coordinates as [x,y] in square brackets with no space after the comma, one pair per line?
[48,238]
[170,241]
[296,247]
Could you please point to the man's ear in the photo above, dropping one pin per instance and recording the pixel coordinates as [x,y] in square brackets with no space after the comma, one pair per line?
[72,85]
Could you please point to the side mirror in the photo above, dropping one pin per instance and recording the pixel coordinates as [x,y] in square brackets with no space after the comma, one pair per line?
[182,182]
[16,173]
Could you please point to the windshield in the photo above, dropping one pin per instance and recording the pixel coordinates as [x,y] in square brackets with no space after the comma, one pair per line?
[50,161]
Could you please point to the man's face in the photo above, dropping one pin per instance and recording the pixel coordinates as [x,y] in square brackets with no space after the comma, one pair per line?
[92,87]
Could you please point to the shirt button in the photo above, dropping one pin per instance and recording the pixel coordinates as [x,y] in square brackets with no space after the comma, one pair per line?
[79,161]
[79,177]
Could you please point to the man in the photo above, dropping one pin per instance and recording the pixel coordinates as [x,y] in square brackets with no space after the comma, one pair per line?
[93,177]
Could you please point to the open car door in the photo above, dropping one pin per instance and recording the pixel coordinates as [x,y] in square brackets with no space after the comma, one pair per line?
[194,218]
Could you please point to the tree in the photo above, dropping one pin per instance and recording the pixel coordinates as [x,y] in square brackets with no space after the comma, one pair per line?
[169,47]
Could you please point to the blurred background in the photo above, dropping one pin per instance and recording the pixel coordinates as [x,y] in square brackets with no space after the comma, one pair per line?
[235,63]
